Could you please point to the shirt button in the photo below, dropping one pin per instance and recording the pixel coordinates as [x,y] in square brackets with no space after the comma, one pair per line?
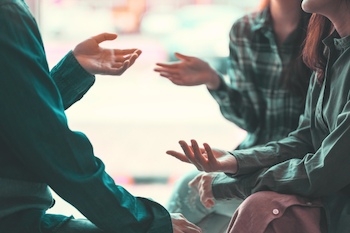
[275,211]
[308,203]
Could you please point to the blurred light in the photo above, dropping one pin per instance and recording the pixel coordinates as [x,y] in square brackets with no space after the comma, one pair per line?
[122,179]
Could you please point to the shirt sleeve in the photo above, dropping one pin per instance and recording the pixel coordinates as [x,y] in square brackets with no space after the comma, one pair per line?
[71,79]
[291,165]
[237,94]
[33,124]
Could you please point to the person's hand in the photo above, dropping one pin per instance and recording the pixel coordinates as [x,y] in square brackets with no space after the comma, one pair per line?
[207,159]
[189,71]
[97,60]
[202,183]
[182,225]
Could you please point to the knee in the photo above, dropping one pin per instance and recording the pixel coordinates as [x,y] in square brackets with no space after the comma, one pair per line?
[259,199]
[182,183]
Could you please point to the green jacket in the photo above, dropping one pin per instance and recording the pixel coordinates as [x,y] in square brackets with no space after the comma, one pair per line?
[38,150]
[314,160]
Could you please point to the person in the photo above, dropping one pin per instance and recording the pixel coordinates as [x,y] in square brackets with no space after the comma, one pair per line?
[38,150]
[300,183]
[265,93]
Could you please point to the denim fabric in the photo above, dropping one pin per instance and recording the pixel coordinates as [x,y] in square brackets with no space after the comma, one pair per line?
[186,200]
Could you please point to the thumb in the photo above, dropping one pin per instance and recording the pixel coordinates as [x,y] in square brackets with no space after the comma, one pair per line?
[104,36]
[182,57]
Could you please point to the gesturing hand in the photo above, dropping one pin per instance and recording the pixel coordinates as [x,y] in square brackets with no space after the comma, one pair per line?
[182,225]
[97,60]
[202,182]
[190,71]
[207,159]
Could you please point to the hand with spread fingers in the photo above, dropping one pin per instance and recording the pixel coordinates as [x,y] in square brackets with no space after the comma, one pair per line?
[189,71]
[207,159]
[182,225]
[97,60]
[202,183]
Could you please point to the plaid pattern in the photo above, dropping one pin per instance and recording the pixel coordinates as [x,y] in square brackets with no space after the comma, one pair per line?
[253,96]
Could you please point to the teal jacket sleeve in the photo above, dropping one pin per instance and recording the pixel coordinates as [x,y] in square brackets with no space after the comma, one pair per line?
[34,126]
[71,79]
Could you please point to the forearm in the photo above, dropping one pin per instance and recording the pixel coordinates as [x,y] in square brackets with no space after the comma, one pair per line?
[110,206]
[34,128]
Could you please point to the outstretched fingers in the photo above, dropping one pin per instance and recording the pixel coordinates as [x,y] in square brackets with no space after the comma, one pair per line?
[178,155]
[167,70]
[169,66]
[211,158]
[182,57]
[189,153]
[198,156]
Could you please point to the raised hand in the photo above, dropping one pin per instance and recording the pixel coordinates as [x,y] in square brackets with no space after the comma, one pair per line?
[189,71]
[97,60]
[182,225]
[207,159]
[202,182]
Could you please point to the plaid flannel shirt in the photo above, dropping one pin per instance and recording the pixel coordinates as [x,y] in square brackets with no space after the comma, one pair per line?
[253,95]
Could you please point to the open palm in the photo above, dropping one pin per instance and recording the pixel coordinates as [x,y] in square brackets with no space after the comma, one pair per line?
[206,159]
[189,71]
[98,60]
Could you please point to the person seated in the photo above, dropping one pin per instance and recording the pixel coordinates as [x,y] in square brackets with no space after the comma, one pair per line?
[300,183]
[264,94]
[38,150]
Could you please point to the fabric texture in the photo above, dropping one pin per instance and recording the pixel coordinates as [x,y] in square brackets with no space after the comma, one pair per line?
[253,95]
[270,212]
[254,98]
[313,161]
[38,150]
[185,200]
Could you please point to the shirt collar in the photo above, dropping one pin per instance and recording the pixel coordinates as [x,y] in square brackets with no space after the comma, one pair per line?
[334,40]
[263,20]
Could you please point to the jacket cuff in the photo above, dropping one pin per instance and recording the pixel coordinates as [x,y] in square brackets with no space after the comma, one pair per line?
[72,80]
[226,188]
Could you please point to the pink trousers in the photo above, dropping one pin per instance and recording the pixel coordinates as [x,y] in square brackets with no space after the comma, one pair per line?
[270,212]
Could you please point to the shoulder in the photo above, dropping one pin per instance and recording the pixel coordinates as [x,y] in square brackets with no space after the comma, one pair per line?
[246,25]
[12,2]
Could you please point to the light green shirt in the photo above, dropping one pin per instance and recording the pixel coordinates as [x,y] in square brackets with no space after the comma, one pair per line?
[314,160]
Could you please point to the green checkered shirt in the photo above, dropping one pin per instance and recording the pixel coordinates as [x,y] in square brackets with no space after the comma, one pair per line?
[253,96]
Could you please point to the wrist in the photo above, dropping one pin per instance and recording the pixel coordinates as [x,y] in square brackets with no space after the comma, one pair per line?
[232,165]
[214,80]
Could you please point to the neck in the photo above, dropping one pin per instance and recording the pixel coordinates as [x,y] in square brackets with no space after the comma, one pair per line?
[341,19]
[285,16]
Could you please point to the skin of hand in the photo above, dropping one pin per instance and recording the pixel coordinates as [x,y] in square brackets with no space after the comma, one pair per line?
[207,159]
[182,225]
[97,60]
[189,71]
[202,182]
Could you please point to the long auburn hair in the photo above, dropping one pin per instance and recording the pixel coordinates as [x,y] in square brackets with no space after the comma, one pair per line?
[296,75]
[314,54]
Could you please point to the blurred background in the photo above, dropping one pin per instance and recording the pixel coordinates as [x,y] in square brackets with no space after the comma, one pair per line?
[133,119]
